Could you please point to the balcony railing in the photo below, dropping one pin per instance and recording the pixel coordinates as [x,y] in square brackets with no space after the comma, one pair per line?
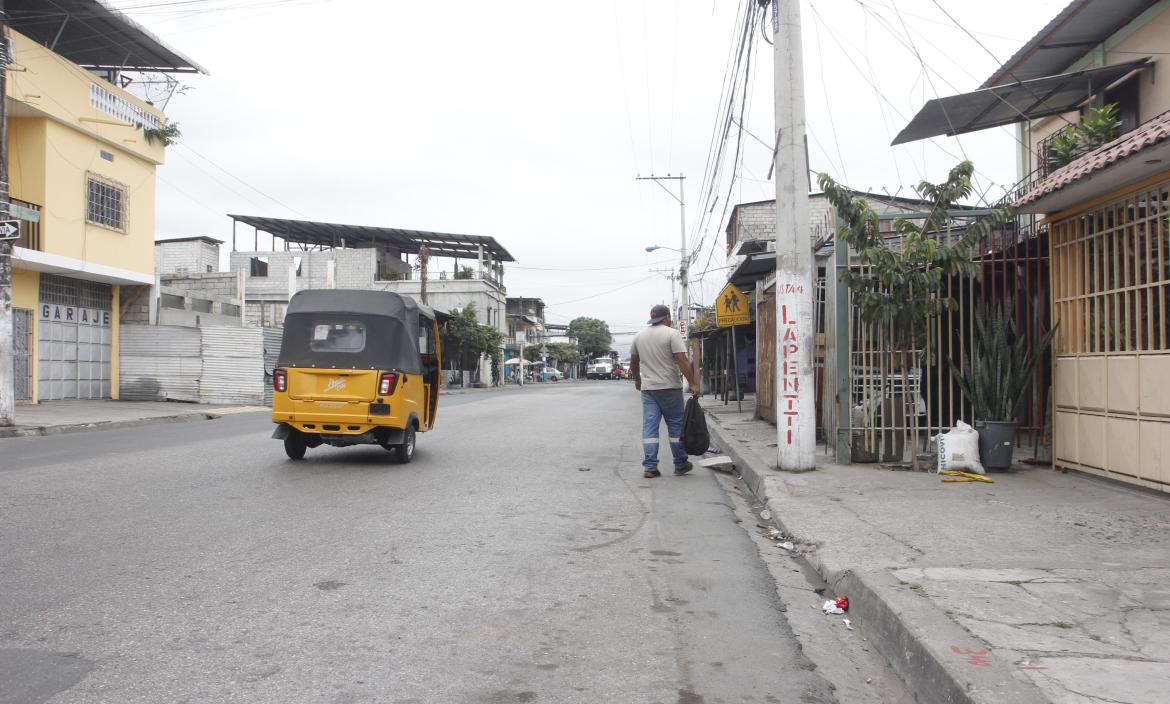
[29,215]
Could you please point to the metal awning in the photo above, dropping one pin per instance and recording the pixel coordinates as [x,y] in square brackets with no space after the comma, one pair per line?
[326,234]
[753,268]
[95,36]
[1080,26]
[1012,102]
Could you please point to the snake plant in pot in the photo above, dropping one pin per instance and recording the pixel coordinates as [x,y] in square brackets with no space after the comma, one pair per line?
[995,377]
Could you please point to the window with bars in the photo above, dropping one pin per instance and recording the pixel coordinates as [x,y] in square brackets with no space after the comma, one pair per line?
[1111,275]
[105,203]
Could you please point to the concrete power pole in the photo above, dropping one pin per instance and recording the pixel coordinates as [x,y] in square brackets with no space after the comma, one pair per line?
[684,314]
[7,370]
[795,394]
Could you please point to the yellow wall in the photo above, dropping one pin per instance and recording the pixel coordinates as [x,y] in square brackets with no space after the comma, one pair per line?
[69,158]
[26,294]
[51,86]
[115,349]
[26,159]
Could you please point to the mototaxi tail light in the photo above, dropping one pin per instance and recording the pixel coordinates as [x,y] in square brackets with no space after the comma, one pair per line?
[279,380]
[387,384]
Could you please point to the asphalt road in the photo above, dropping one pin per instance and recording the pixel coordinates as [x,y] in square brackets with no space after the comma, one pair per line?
[520,558]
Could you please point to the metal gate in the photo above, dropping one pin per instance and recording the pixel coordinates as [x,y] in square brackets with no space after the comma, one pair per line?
[76,339]
[895,390]
[21,363]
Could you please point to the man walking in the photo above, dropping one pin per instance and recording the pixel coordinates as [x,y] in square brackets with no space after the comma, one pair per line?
[658,361]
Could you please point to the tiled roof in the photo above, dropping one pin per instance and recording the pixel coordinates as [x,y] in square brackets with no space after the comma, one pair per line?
[1147,135]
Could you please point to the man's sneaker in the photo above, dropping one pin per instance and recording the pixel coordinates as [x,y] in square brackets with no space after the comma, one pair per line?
[651,473]
[679,471]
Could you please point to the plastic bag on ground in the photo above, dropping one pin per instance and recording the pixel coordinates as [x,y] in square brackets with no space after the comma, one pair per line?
[958,449]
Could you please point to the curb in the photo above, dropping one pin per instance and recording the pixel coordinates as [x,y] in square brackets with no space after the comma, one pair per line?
[930,652]
[45,430]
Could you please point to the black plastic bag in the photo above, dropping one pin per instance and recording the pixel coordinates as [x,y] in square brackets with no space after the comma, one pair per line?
[695,438]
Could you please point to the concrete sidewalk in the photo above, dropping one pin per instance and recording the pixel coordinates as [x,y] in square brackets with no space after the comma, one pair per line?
[1041,587]
[55,417]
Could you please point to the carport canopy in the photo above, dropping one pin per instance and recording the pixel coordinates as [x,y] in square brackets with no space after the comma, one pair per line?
[1013,102]
[327,234]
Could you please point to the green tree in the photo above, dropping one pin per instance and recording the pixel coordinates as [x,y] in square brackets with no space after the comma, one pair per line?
[592,335]
[466,340]
[564,353]
[898,285]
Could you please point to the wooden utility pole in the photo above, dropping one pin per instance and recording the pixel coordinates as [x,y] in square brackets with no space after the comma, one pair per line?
[7,369]
[796,422]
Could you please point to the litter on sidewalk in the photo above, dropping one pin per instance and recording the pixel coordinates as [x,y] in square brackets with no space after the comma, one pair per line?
[836,606]
[957,476]
[720,463]
[958,449]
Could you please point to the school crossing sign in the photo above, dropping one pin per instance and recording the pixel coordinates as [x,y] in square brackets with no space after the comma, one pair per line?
[731,307]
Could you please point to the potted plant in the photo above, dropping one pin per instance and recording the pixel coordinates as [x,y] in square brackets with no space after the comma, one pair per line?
[995,377]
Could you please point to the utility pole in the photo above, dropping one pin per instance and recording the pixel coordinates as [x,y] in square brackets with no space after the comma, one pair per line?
[795,394]
[685,261]
[424,257]
[7,369]
[670,274]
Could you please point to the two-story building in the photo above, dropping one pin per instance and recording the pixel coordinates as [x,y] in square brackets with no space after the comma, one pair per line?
[1103,214]
[82,158]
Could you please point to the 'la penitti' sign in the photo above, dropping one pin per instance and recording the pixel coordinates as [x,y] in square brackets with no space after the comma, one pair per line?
[53,313]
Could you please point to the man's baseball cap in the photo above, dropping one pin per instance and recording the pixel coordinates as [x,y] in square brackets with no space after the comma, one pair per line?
[658,313]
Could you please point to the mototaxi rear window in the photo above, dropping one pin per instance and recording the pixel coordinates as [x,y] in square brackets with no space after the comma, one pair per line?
[348,336]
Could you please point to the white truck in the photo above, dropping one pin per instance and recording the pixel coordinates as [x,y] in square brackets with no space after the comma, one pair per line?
[600,368]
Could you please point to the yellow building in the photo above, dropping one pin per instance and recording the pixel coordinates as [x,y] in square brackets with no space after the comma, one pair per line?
[82,183]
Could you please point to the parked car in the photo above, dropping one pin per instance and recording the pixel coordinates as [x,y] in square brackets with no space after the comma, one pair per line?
[553,374]
[600,368]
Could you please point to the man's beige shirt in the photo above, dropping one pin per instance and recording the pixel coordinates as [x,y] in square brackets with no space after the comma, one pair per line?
[656,347]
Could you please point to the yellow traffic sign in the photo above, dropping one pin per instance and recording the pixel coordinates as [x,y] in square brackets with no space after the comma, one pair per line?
[731,307]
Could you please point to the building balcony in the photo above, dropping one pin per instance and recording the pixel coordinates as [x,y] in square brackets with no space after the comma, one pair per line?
[55,88]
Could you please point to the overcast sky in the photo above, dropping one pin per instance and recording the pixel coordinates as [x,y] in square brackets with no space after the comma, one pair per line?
[528,121]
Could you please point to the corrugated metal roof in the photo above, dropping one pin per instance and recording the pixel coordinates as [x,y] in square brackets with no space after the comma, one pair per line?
[328,234]
[90,34]
[1015,102]
[1070,35]
[1152,132]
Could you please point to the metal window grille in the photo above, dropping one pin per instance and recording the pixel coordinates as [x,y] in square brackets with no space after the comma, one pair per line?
[59,290]
[92,294]
[105,203]
[1111,276]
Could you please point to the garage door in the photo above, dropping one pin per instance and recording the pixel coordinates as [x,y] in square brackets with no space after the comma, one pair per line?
[76,339]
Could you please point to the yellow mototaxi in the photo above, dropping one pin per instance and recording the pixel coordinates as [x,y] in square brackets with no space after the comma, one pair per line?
[356,368]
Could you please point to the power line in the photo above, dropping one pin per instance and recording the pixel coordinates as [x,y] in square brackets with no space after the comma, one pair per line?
[600,268]
[274,200]
[603,293]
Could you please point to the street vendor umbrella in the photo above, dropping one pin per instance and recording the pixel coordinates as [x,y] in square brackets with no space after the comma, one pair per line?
[513,361]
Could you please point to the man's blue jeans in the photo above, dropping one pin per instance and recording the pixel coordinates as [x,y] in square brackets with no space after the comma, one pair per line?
[656,405]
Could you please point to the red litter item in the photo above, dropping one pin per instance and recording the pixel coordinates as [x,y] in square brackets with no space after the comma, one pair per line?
[843,603]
